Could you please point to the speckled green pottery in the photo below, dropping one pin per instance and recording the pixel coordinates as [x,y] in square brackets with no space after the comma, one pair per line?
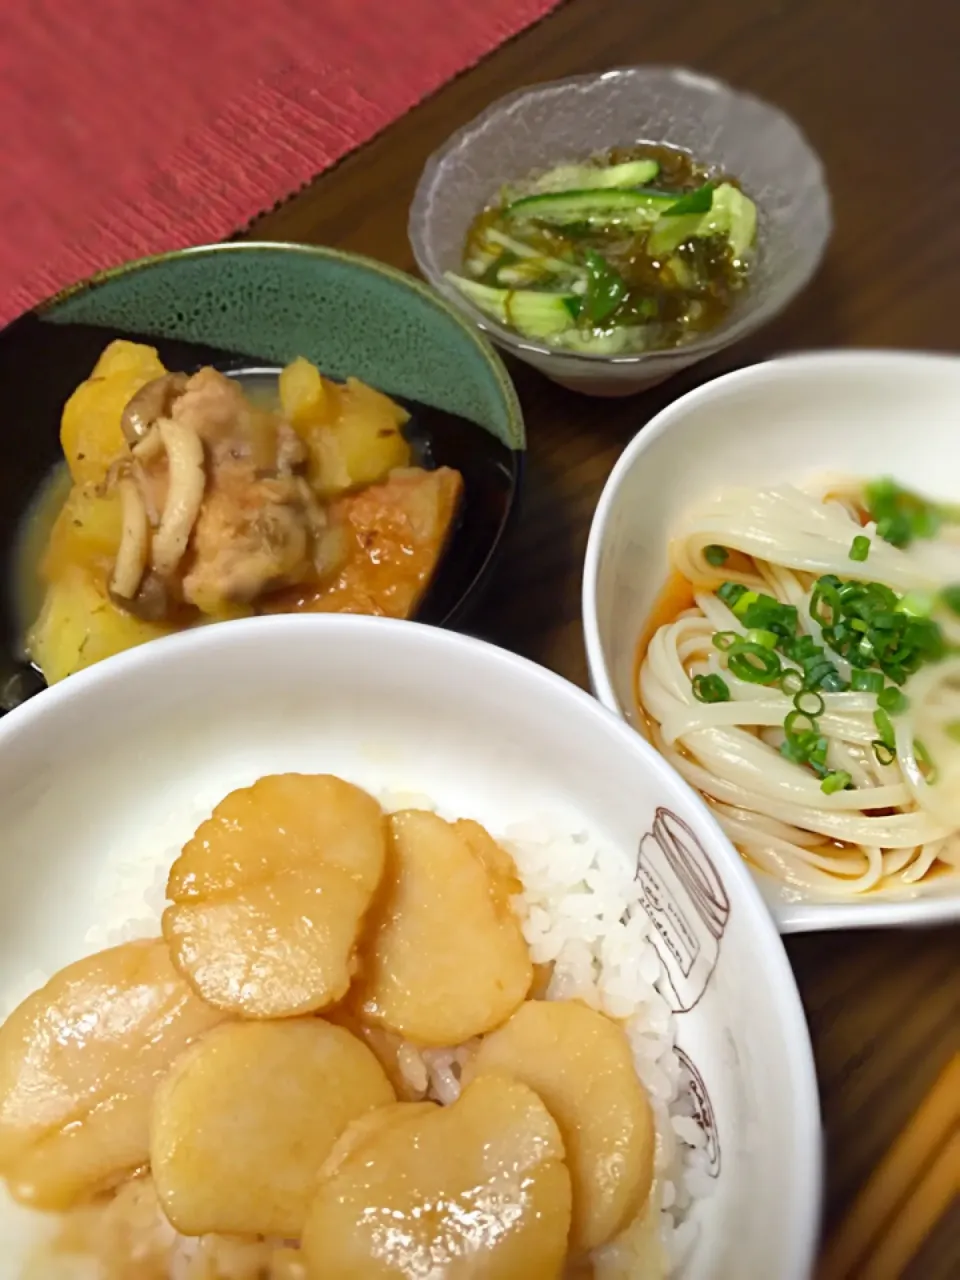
[348,314]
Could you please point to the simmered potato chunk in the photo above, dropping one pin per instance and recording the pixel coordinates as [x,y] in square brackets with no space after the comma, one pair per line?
[447,960]
[307,400]
[79,625]
[580,1064]
[86,533]
[270,894]
[90,432]
[478,1189]
[357,439]
[244,1120]
[79,1062]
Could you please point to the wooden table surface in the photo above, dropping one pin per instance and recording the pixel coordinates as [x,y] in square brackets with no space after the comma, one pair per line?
[873,84]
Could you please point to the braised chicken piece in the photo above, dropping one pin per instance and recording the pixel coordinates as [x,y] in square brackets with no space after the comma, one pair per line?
[219,480]
[394,535]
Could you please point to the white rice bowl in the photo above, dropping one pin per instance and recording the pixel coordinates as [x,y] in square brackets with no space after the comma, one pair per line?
[103,778]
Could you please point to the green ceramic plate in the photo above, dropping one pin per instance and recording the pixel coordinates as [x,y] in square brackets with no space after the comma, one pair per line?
[258,305]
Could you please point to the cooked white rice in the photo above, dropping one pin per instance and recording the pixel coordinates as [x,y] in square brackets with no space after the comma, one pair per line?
[582,914]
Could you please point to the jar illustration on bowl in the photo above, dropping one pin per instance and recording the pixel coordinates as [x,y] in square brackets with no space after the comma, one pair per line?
[684,897]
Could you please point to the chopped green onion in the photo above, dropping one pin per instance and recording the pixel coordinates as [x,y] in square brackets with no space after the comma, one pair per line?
[798,722]
[952,729]
[835,781]
[896,530]
[884,754]
[818,670]
[761,637]
[828,678]
[730,593]
[768,615]
[860,548]
[893,701]
[901,515]
[825,593]
[712,688]
[759,613]
[754,662]
[791,682]
[867,682]
[715,555]
[864,623]
[885,729]
[809,748]
[744,602]
[724,640]
[809,702]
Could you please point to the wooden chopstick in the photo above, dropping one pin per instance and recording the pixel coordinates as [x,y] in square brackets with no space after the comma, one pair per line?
[906,1195]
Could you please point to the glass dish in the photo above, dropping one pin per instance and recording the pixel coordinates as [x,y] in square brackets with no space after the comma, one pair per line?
[568,120]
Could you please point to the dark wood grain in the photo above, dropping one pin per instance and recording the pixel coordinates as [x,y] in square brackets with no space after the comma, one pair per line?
[873,84]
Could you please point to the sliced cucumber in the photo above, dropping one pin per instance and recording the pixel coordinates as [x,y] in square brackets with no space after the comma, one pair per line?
[481,260]
[669,233]
[732,214]
[583,177]
[529,271]
[532,313]
[557,265]
[740,215]
[598,208]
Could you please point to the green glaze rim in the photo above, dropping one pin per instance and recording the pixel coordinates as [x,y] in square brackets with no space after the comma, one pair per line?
[393,274]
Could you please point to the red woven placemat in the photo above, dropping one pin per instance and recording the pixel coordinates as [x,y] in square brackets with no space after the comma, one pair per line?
[133,126]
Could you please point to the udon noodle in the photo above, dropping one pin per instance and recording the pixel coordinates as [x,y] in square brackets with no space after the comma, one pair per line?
[844,782]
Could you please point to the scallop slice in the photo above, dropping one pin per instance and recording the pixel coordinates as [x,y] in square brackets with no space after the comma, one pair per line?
[79,1062]
[580,1064]
[269,896]
[447,959]
[243,1122]
[478,1189]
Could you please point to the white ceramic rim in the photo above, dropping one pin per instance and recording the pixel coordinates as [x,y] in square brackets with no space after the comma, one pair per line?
[801,917]
[147,661]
